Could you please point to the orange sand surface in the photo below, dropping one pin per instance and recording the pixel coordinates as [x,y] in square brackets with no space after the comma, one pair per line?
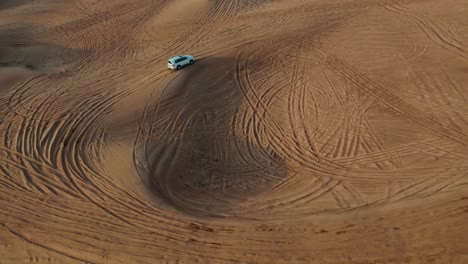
[307,131]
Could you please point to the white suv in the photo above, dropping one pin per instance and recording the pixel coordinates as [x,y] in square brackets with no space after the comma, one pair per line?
[178,62]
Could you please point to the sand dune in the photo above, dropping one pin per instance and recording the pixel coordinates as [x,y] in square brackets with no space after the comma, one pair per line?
[307,131]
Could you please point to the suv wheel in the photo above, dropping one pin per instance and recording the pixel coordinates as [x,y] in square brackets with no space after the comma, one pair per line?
[178,67]
[191,62]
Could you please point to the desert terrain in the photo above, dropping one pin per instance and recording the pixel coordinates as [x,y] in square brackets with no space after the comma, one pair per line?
[306,131]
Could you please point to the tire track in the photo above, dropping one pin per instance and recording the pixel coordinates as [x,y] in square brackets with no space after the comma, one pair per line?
[390,100]
[435,31]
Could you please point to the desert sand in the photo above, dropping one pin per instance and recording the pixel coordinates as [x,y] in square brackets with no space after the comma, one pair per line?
[307,131]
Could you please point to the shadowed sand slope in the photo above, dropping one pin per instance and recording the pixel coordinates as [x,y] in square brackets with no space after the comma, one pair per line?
[305,132]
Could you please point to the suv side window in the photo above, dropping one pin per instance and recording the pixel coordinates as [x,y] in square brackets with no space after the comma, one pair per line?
[180,59]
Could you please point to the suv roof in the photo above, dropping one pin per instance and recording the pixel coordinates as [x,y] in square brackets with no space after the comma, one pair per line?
[177,57]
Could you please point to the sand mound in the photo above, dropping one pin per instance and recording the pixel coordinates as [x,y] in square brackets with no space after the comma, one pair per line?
[183,9]
[18,49]
[43,58]
[197,168]
[5,4]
